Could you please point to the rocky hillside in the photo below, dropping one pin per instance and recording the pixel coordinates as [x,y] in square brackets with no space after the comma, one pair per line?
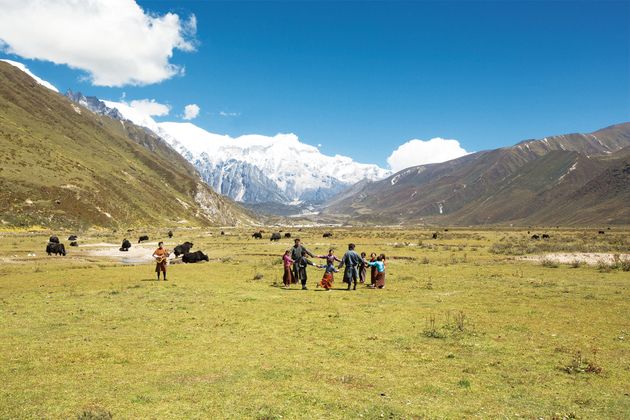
[568,179]
[63,165]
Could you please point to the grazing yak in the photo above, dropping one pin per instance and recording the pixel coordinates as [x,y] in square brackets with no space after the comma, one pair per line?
[287,235]
[183,248]
[257,235]
[74,243]
[193,257]
[170,234]
[327,235]
[275,236]
[143,238]
[72,237]
[536,237]
[55,248]
[545,236]
[601,232]
[53,239]
[125,245]
[222,233]
[434,236]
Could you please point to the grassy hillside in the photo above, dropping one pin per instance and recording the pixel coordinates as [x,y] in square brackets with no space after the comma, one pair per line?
[62,165]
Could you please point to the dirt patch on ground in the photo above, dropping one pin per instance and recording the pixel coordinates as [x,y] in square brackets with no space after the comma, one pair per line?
[590,258]
[137,254]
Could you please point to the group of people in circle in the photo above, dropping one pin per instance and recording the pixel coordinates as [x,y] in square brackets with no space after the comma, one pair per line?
[355,267]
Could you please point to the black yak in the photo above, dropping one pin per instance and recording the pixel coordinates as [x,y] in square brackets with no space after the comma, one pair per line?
[257,235]
[193,257]
[55,248]
[183,248]
[275,236]
[143,238]
[125,245]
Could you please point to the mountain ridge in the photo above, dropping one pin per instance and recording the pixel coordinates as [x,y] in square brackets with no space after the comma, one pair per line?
[497,186]
[63,165]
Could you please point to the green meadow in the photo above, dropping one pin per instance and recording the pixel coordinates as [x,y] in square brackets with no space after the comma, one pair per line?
[464,329]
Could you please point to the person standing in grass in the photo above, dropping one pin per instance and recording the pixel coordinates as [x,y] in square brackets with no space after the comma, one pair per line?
[161,260]
[296,253]
[328,278]
[301,264]
[330,258]
[287,262]
[351,260]
[379,280]
[373,270]
[362,268]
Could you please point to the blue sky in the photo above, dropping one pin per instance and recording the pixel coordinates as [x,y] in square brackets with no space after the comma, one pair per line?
[361,78]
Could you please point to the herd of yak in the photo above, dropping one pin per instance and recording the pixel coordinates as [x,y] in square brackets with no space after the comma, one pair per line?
[276,236]
[55,247]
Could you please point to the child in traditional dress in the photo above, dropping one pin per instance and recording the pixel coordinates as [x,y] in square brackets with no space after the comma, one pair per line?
[362,268]
[373,270]
[380,275]
[161,260]
[301,264]
[287,277]
[328,278]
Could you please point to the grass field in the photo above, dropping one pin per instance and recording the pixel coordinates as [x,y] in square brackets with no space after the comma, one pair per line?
[464,329]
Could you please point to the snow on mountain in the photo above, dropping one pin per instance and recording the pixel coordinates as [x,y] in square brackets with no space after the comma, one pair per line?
[25,69]
[255,168]
[133,115]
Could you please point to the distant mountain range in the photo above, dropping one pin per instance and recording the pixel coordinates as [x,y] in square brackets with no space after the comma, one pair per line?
[264,172]
[65,166]
[80,161]
[567,179]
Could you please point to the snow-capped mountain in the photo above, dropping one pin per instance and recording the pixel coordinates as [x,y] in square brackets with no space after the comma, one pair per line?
[94,104]
[256,168]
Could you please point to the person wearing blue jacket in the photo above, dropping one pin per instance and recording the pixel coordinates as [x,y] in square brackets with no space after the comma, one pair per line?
[351,260]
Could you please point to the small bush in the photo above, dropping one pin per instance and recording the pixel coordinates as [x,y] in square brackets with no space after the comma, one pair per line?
[258,276]
[94,413]
[548,263]
[575,264]
[604,267]
[579,364]
[431,330]
[424,260]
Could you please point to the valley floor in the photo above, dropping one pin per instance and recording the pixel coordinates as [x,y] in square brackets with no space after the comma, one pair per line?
[464,329]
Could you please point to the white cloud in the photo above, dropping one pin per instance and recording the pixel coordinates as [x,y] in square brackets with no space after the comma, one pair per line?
[114,41]
[150,107]
[418,152]
[27,71]
[191,111]
[229,114]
